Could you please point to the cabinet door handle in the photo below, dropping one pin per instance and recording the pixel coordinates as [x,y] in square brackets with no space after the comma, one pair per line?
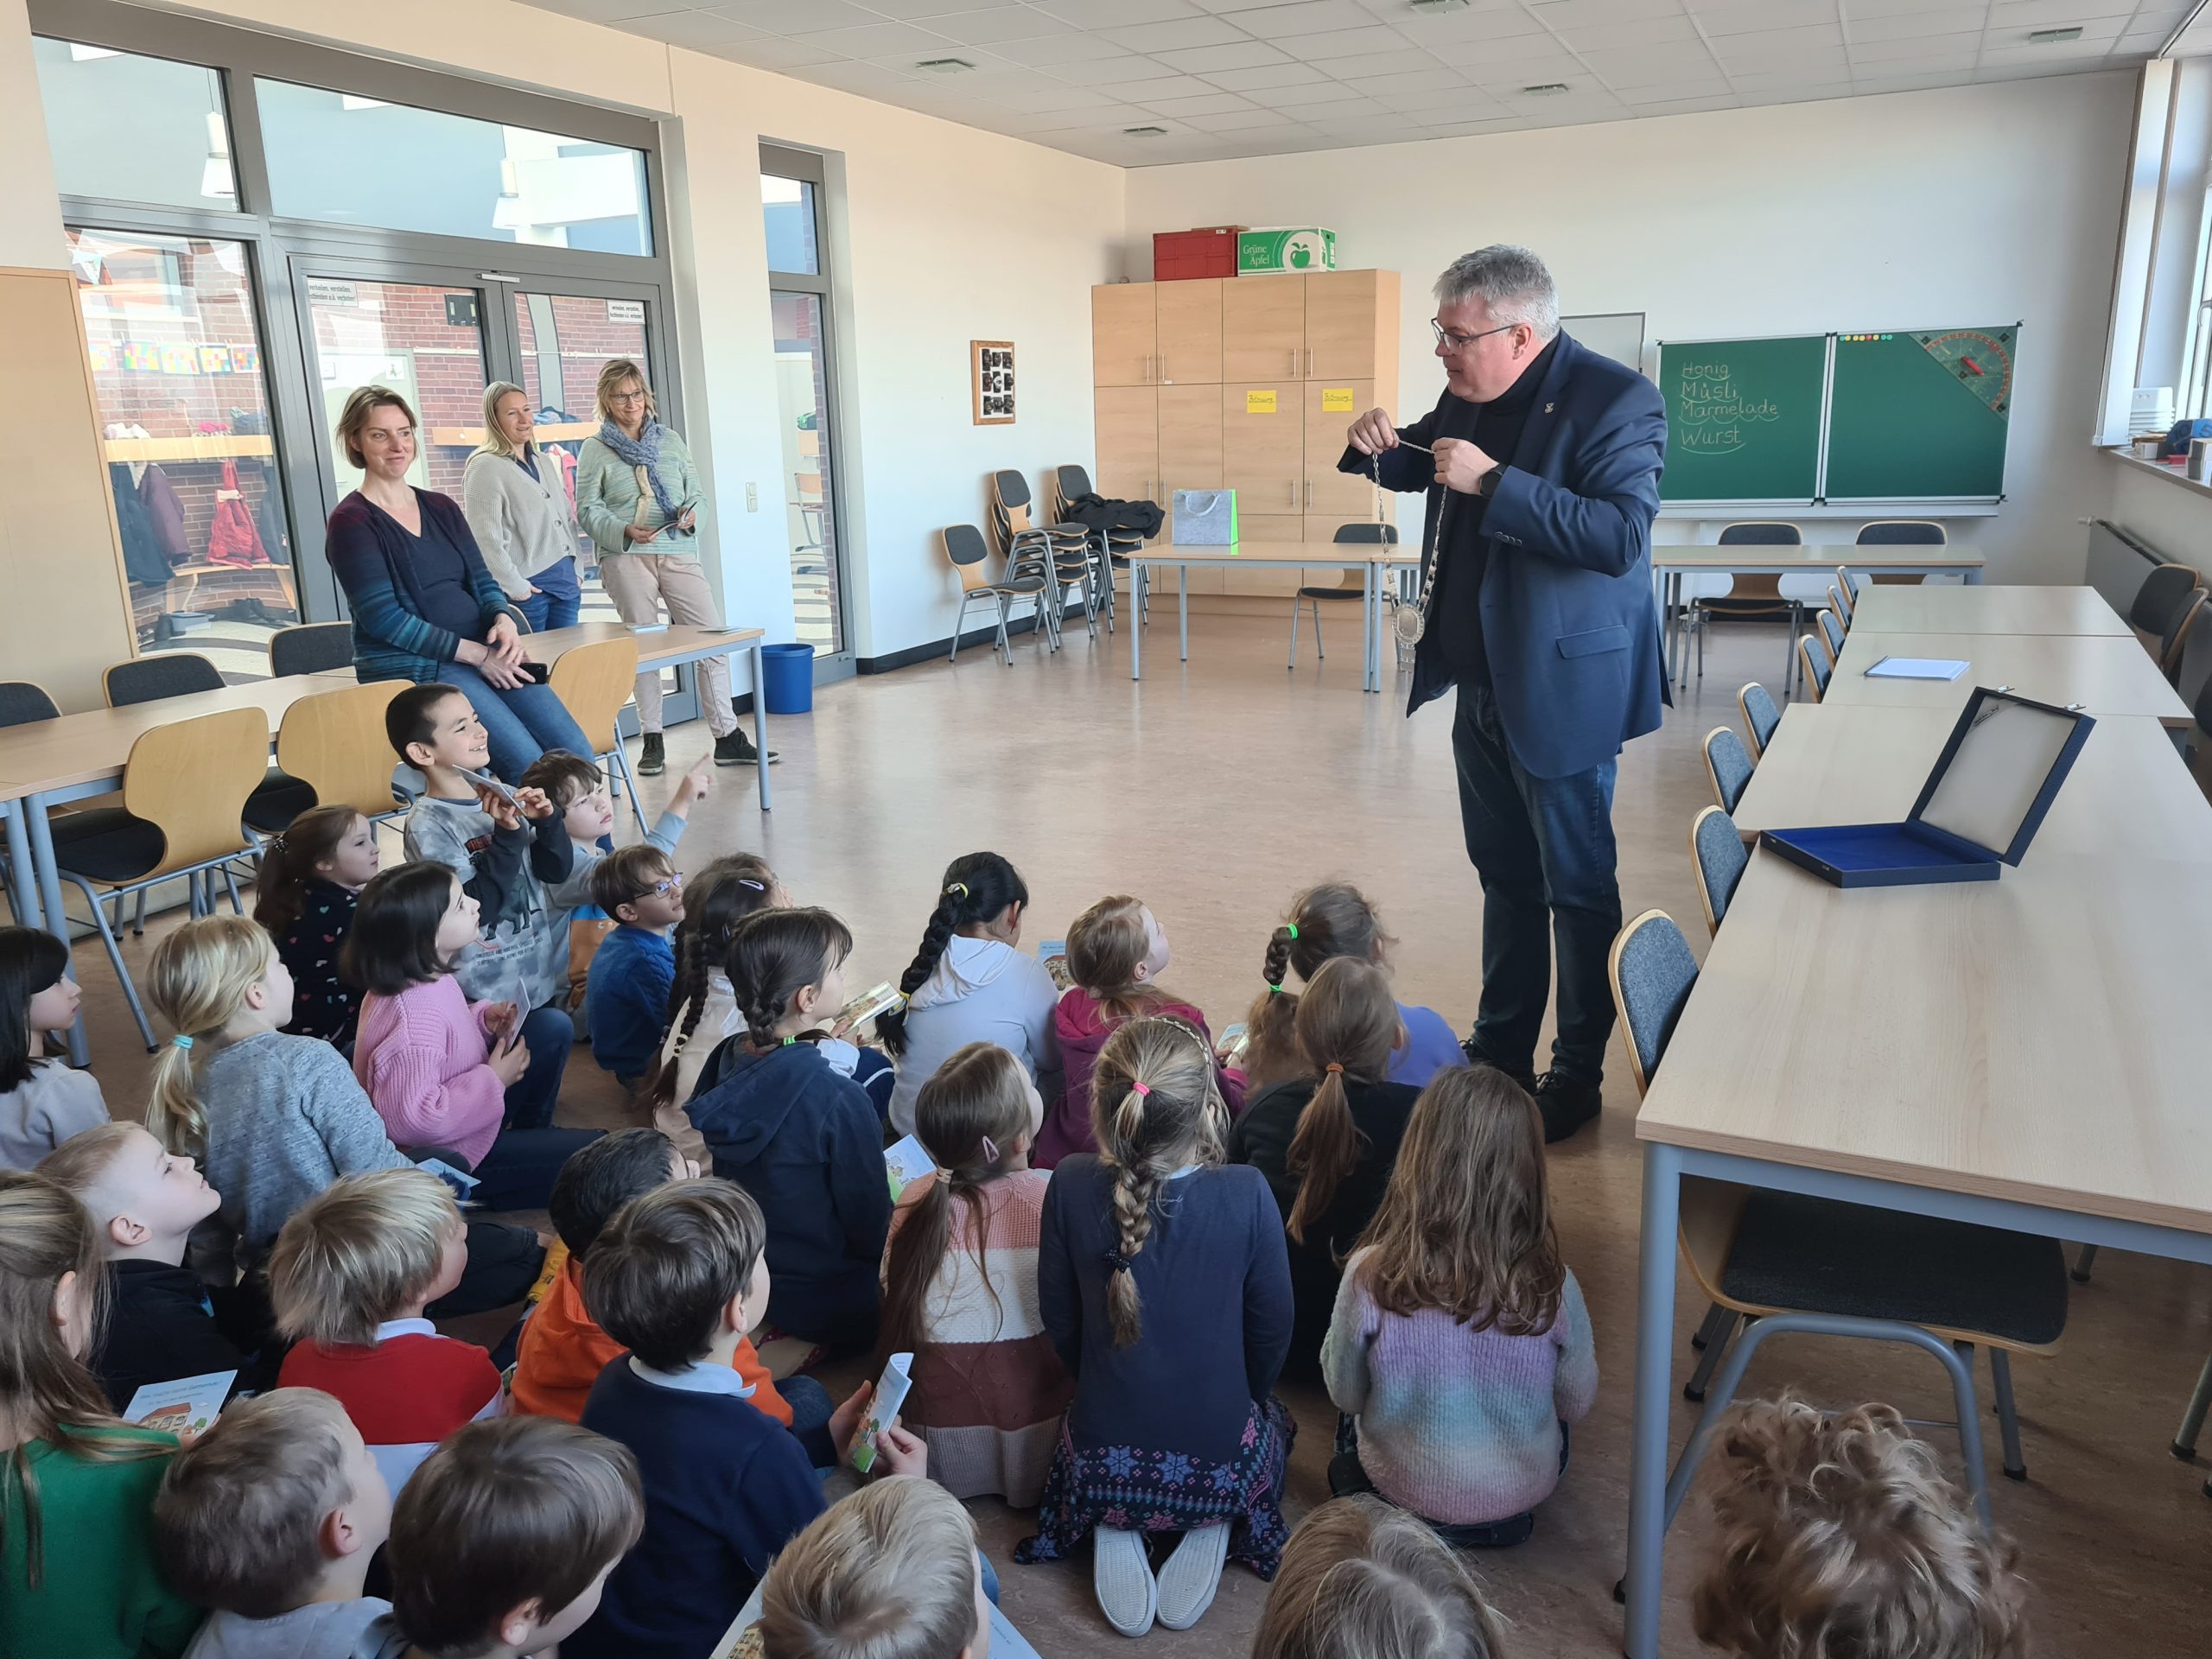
[1163,368]
[1294,361]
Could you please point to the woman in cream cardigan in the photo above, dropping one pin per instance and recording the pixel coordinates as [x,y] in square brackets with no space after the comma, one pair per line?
[638,497]
[517,508]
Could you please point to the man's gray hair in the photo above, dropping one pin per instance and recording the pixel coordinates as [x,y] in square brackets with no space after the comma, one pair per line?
[1511,282]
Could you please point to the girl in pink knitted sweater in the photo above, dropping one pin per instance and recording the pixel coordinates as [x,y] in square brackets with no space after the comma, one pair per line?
[442,1071]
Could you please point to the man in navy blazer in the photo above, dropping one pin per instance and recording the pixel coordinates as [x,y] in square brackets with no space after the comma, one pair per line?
[1542,465]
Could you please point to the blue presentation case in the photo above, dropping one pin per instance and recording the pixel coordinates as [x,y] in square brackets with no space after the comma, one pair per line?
[1997,774]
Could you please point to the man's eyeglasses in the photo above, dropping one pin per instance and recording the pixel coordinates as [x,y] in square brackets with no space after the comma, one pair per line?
[1456,343]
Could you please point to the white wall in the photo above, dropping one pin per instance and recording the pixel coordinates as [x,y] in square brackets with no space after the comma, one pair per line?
[2173,517]
[30,216]
[943,234]
[1981,204]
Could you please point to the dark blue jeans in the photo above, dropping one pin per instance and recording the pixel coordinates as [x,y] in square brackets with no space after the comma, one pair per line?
[518,1173]
[555,599]
[522,724]
[1544,849]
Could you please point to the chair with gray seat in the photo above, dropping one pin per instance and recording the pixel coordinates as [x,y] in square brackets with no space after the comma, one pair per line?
[22,701]
[1109,548]
[1352,585]
[1058,555]
[1832,632]
[1719,855]
[2162,608]
[1761,717]
[1907,532]
[1727,765]
[965,547]
[1779,1263]
[1749,598]
[311,648]
[1814,663]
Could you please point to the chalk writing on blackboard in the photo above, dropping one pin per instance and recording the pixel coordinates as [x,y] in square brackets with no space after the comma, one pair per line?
[1712,414]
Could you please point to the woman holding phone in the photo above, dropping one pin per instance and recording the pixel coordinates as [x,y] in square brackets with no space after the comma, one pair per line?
[638,497]
[425,608]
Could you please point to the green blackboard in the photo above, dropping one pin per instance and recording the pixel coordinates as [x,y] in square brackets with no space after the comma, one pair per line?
[1743,418]
[1921,414]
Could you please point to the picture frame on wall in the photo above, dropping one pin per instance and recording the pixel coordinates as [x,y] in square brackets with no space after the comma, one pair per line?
[990,368]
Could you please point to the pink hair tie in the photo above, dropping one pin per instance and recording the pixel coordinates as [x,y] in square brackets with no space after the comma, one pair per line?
[1139,1089]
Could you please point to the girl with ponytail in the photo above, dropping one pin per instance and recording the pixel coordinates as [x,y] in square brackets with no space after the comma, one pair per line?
[310,877]
[1163,1280]
[1327,1140]
[971,982]
[959,1285]
[782,1117]
[702,1007]
[1333,919]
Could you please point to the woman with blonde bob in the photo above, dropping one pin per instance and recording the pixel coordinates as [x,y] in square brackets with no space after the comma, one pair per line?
[517,505]
[1459,1345]
[638,497]
[1363,1580]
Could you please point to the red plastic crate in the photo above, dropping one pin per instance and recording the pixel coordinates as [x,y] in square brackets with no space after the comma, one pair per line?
[1186,256]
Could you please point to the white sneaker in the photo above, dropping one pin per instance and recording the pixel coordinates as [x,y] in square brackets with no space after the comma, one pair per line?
[1190,1577]
[1122,1574]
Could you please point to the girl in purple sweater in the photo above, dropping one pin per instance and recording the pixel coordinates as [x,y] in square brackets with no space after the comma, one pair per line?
[1460,1346]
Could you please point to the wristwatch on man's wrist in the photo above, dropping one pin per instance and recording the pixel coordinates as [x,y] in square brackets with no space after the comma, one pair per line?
[1487,484]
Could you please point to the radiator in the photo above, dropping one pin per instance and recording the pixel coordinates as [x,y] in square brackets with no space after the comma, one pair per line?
[2119,561]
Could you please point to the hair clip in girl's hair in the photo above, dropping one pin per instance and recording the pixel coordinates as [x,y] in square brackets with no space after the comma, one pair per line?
[748,881]
[180,1041]
[1333,1069]
[1140,1091]
[960,887]
[1291,928]
[274,844]
[991,1150]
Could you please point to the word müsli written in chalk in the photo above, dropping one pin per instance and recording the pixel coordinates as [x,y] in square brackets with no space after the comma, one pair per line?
[1712,414]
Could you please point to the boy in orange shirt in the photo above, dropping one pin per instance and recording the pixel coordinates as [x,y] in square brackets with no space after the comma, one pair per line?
[562,1350]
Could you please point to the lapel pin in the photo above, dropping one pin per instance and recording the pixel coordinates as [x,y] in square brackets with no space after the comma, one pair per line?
[1549,407]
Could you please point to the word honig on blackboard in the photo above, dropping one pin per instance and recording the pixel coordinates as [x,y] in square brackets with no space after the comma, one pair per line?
[1711,414]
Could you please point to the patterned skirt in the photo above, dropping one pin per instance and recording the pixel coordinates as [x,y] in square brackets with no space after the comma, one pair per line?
[1135,1489]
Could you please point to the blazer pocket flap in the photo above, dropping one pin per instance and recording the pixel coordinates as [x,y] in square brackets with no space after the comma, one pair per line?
[1593,641]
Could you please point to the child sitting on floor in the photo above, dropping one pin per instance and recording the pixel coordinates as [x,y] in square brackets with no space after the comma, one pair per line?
[783,1118]
[469,1078]
[1333,919]
[1360,1578]
[678,1277]
[960,1284]
[350,1277]
[1460,1346]
[1328,1140]
[310,876]
[626,1000]
[78,1573]
[971,982]
[501,1543]
[701,1007]
[1116,952]
[562,1350]
[274,1117]
[1840,1534]
[269,1519]
[1162,1279]
[145,1201]
[42,1100]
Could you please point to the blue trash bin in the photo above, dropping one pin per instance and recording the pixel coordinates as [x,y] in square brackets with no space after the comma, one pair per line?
[788,674]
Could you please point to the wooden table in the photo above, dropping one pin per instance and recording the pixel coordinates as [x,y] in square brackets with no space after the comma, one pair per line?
[1828,764]
[1373,557]
[1896,608]
[2103,674]
[672,645]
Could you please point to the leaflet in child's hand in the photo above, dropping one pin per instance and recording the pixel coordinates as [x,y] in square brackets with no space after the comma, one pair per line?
[906,1163]
[877,998]
[890,1394]
[187,1406]
[1054,953]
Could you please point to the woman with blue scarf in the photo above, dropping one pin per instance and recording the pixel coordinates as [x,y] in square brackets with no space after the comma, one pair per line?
[638,497]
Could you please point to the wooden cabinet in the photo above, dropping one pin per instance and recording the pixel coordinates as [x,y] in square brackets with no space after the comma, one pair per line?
[1263,327]
[1263,448]
[1190,439]
[1329,492]
[1187,331]
[1127,419]
[1351,325]
[1124,345]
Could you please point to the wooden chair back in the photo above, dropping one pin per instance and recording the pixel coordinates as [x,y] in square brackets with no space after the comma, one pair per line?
[1652,973]
[1010,501]
[311,648]
[1727,765]
[592,683]
[24,701]
[1831,635]
[334,743]
[1719,857]
[2175,641]
[190,779]
[964,547]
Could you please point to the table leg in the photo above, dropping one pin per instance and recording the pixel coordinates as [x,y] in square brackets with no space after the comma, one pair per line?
[1973,573]
[32,909]
[1654,1351]
[1183,605]
[32,808]
[1136,622]
[759,719]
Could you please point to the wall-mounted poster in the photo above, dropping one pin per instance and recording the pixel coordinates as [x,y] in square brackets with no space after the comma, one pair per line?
[990,362]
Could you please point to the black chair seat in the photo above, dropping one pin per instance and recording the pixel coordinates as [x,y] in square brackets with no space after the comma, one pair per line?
[1331,592]
[276,800]
[1743,609]
[1818,1256]
[107,844]
[1015,585]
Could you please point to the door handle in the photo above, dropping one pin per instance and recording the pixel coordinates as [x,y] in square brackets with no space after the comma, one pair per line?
[1163,368]
[1294,361]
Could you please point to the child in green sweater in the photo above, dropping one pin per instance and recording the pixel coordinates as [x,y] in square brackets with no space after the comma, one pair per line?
[78,1570]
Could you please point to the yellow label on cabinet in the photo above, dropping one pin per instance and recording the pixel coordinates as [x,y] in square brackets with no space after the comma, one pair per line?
[1335,400]
[1259,403]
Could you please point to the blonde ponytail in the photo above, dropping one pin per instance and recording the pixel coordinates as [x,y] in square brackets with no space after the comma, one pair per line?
[200,976]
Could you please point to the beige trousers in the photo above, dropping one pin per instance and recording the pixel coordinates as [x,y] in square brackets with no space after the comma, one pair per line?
[639,584]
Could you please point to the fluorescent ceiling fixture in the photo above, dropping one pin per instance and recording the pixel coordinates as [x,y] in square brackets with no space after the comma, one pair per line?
[1439,5]
[1545,89]
[1144,132]
[944,66]
[2054,37]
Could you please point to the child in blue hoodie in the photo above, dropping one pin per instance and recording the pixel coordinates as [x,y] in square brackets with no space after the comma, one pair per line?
[782,1117]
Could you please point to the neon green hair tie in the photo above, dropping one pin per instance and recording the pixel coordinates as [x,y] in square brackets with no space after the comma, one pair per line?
[1291,928]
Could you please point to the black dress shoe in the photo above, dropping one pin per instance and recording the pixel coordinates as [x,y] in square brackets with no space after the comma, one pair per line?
[1566,1103]
[1478,1055]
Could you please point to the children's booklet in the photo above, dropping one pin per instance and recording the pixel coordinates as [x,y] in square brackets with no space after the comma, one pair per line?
[906,1163]
[877,998]
[1054,953]
[1917,668]
[459,1182]
[890,1394]
[1234,1039]
[187,1407]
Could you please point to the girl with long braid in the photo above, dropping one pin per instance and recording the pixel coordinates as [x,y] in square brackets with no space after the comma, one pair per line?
[971,982]
[782,1121]
[701,1007]
[1163,1280]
